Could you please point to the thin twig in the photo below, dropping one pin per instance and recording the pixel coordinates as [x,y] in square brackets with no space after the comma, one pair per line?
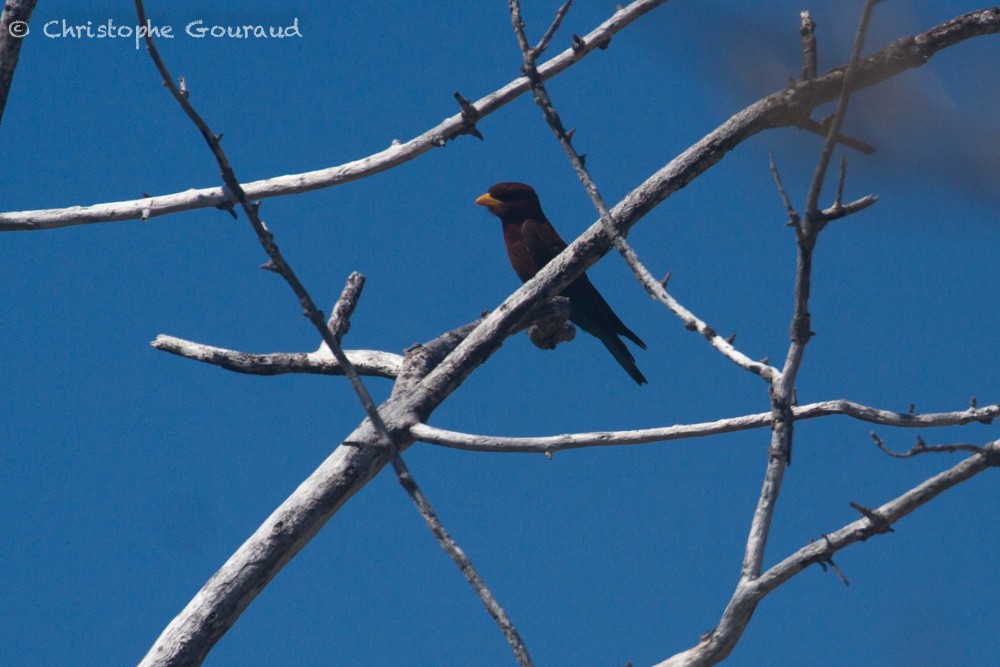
[543,43]
[840,182]
[657,290]
[836,211]
[823,130]
[812,198]
[555,124]
[836,570]
[277,261]
[793,215]
[921,447]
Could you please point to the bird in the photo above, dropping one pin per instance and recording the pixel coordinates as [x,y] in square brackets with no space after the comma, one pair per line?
[532,242]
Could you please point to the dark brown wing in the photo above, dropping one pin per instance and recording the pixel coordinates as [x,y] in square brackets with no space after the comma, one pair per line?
[541,240]
[520,258]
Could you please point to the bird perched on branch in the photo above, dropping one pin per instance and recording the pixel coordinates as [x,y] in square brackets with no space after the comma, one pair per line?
[531,243]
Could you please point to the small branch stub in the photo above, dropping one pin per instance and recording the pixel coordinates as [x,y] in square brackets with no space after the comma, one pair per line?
[878,522]
[470,115]
[808,31]
[340,315]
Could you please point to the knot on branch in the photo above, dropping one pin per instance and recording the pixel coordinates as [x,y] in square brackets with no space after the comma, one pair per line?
[992,454]
[547,338]
[801,330]
[782,425]
[550,326]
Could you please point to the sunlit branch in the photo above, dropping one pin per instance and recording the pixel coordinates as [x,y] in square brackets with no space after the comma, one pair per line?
[717,644]
[396,154]
[556,443]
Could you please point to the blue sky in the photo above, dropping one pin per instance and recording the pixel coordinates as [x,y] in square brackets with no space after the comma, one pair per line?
[130,475]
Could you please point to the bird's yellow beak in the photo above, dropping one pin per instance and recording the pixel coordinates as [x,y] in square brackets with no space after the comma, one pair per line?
[487,201]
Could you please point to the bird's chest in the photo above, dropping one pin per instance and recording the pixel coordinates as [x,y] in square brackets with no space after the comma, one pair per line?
[517,252]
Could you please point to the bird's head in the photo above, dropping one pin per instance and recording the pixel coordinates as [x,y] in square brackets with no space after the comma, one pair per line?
[512,200]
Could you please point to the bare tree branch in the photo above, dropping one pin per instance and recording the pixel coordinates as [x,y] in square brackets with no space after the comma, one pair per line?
[321,362]
[780,109]
[556,443]
[807,29]
[783,385]
[822,129]
[793,215]
[838,210]
[543,43]
[280,537]
[655,288]
[395,155]
[276,262]
[340,315]
[921,447]
[171,649]
[717,644]
[812,198]
[776,110]
[13,29]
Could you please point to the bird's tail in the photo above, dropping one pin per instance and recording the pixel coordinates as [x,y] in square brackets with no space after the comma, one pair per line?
[623,355]
[592,313]
[628,333]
